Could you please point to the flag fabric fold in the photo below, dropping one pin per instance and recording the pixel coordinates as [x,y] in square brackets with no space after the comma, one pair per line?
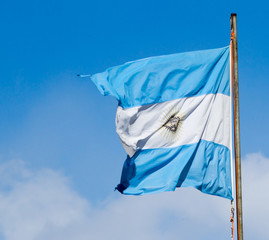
[173,120]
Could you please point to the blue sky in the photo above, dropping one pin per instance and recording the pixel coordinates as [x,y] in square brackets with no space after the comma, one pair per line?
[58,131]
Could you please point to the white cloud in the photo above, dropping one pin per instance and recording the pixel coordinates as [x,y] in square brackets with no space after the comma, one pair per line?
[36,202]
[41,205]
[255,177]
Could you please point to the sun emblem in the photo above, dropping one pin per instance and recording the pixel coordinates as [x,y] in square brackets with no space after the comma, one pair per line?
[171,123]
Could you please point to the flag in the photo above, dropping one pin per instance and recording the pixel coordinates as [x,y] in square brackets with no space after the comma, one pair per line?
[173,119]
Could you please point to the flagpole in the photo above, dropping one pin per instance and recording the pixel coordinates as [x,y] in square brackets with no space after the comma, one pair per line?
[237,151]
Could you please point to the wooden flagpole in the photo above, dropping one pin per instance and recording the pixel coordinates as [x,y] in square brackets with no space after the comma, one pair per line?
[237,151]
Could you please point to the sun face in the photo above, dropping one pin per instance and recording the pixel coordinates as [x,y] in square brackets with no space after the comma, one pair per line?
[171,124]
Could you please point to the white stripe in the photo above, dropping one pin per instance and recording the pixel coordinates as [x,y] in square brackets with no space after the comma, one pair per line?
[204,117]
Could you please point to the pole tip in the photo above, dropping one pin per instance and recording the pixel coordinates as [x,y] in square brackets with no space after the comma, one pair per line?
[233,14]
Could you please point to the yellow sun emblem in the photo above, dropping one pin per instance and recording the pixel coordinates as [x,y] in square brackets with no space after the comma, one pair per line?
[171,124]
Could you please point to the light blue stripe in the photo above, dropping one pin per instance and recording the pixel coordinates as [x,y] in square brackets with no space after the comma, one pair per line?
[204,165]
[164,78]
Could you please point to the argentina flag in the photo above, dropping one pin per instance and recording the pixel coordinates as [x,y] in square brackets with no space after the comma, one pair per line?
[174,121]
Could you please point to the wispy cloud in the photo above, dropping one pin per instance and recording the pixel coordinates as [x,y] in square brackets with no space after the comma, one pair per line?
[41,205]
[255,177]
